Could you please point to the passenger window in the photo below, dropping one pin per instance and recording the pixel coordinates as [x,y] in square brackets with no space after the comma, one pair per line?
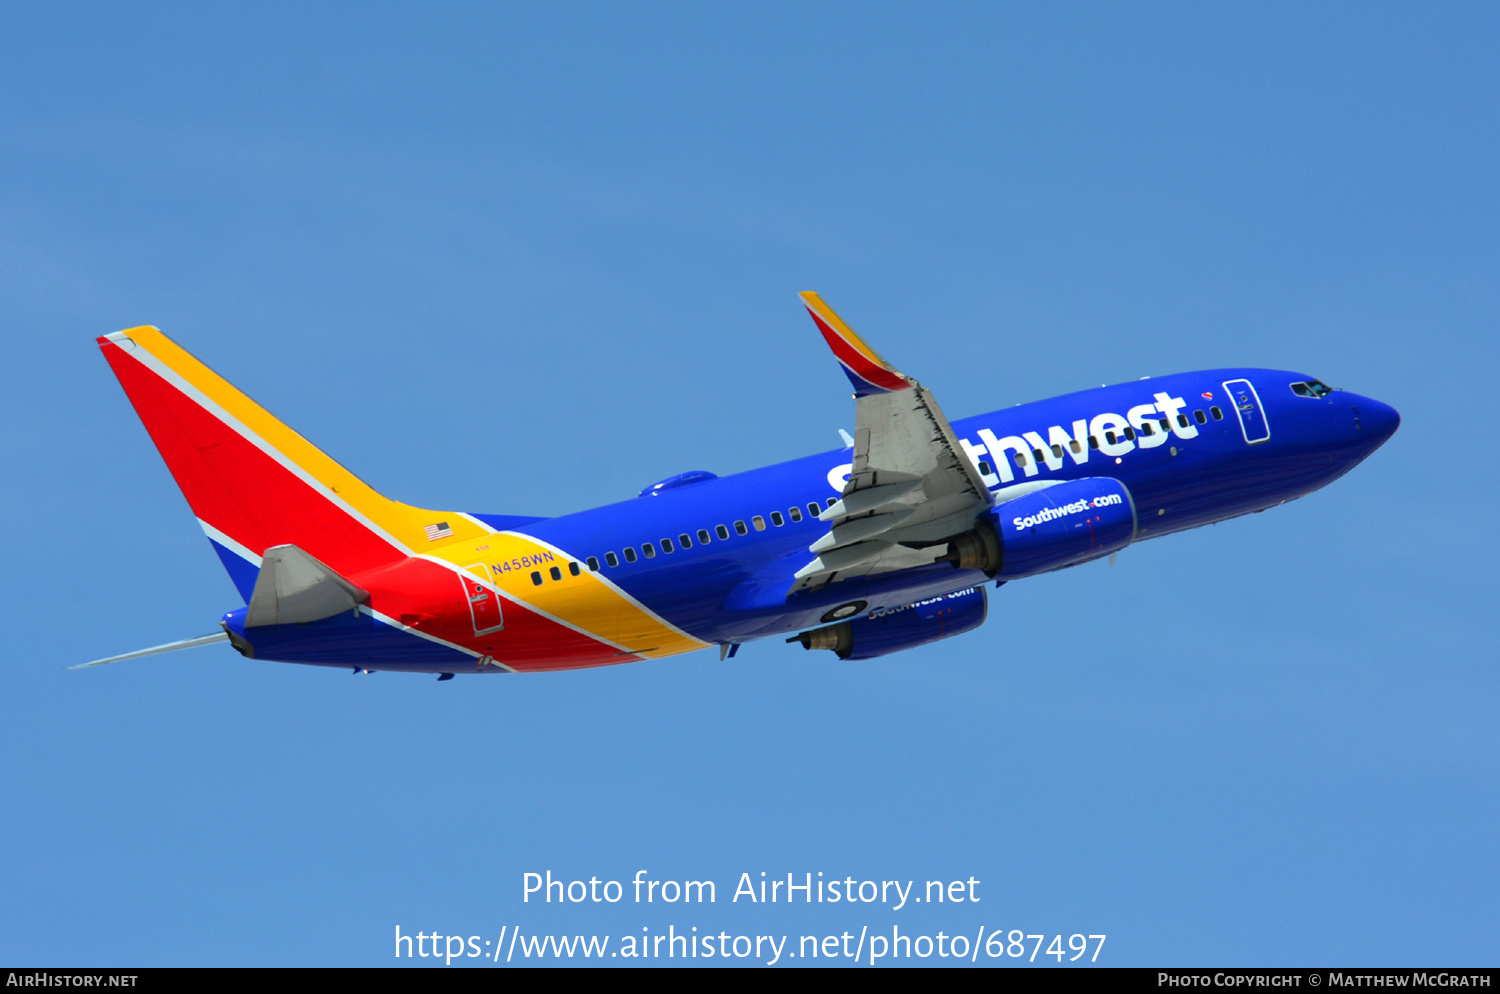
[1130,434]
[630,555]
[536,578]
[573,568]
[1077,449]
[777,519]
[832,501]
[813,509]
[556,573]
[610,558]
[1166,426]
[984,468]
[1093,441]
[721,531]
[1182,420]
[594,564]
[759,523]
[1056,450]
[684,541]
[1200,417]
[702,536]
[666,546]
[1146,428]
[1218,414]
[739,527]
[1109,437]
[649,550]
[1021,459]
[795,512]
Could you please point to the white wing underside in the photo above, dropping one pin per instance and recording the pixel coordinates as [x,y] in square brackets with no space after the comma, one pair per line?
[926,490]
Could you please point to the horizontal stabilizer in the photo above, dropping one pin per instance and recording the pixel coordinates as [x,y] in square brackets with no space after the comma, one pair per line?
[294,588]
[169,647]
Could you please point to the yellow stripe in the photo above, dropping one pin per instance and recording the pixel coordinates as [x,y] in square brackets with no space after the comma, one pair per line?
[838,325]
[401,521]
[584,601]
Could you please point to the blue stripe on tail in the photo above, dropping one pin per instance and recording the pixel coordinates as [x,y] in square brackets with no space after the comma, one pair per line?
[241,571]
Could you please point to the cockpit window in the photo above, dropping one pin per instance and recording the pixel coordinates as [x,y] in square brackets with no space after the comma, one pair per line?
[1312,388]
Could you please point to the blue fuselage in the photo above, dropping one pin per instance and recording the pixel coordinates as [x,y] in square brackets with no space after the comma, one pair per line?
[1225,451]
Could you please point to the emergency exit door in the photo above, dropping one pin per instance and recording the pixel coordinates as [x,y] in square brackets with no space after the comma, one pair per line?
[484,603]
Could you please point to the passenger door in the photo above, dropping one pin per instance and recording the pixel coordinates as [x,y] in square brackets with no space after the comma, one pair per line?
[1247,405]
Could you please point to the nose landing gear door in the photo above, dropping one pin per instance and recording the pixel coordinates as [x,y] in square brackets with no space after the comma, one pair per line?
[484,603]
[1247,405]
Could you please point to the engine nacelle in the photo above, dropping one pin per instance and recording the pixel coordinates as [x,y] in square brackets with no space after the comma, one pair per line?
[1047,529]
[1064,525]
[883,632]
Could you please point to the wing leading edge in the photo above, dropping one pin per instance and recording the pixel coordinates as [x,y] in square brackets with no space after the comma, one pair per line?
[911,486]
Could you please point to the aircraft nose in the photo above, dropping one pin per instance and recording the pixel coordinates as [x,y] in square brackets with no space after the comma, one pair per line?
[1374,420]
[1379,419]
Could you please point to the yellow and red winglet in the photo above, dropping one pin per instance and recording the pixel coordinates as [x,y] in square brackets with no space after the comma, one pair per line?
[865,368]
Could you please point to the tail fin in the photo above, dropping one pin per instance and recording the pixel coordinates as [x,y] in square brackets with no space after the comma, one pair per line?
[252,481]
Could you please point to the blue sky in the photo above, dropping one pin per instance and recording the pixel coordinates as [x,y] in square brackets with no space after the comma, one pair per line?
[530,259]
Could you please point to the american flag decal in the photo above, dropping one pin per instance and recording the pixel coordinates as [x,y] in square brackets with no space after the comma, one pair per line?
[437,531]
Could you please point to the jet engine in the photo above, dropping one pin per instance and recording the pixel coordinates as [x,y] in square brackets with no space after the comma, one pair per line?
[882,632]
[1047,529]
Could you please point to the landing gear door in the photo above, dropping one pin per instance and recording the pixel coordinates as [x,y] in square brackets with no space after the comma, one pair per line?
[1247,405]
[484,603]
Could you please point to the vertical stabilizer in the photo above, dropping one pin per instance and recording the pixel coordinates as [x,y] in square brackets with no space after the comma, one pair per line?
[253,482]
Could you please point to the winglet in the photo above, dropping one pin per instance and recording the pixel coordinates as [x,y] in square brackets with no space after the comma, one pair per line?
[865,368]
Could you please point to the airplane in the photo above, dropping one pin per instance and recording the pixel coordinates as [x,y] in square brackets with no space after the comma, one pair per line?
[884,545]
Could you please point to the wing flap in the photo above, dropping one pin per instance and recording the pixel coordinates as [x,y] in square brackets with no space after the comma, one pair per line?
[859,529]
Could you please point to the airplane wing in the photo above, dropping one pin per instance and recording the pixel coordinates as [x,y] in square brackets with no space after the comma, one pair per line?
[911,486]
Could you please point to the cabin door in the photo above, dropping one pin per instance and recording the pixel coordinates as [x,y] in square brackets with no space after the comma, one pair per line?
[1247,405]
[484,603]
